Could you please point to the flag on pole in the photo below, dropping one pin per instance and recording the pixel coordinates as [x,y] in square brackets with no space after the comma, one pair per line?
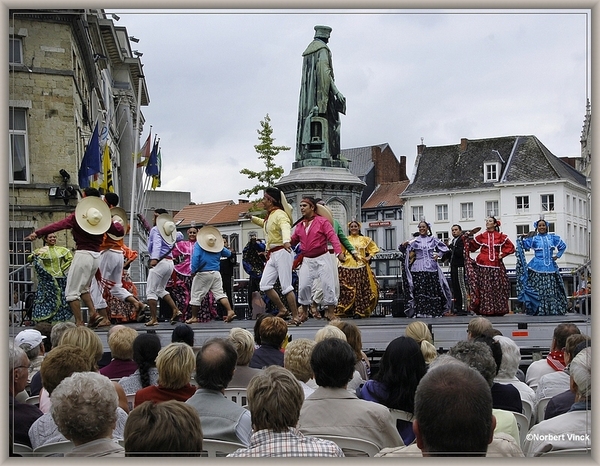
[156,178]
[107,181]
[152,165]
[91,163]
[144,154]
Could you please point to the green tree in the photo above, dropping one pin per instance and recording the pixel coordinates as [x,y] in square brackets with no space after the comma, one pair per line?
[267,152]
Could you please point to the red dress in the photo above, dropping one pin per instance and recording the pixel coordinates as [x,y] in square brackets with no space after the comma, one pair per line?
[159,394]
[488,282]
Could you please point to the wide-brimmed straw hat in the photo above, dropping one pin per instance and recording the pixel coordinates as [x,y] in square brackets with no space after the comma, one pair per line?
[210,239]
[119,216]
[93,215]
[324,211]
[278,194]
[167,228]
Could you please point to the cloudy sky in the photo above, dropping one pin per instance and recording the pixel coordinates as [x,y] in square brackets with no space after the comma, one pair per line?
[436,75]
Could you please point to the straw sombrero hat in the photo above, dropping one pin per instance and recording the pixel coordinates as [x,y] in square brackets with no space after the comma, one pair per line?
[324,211]
[119,216]
[167,228]
[210,239]
[93,215]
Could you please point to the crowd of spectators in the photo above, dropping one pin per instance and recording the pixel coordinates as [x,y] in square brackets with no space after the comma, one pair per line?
[460,403]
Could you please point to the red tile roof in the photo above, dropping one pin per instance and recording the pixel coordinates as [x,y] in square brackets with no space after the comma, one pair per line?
[201,213]
[386,195]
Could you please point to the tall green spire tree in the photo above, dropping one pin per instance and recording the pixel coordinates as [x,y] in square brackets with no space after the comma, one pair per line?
[267,151]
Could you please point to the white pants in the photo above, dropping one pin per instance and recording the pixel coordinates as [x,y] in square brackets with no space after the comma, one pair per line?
[82,271]
[158,276]
[204,282]
[279,265]
[317,288]
[111,271]
[317,268]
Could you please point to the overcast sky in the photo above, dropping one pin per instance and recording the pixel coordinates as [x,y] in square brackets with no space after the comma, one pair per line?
[431,74]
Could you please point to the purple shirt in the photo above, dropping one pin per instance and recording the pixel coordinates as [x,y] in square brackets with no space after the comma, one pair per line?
[157,246]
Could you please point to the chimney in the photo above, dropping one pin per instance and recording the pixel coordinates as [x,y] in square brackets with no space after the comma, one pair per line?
[463,144]
[421,149]
[403,168]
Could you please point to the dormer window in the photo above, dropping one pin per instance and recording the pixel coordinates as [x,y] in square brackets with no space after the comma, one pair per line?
[491,171]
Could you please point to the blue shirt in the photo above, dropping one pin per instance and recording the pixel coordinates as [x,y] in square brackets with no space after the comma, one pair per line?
[543,248]
[204,261]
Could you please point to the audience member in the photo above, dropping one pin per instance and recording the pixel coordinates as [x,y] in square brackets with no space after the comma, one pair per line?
[21,415]
[572,429]
[555,360]
[175,364]
[220,417]
[478,326]
[61,363]
[55,335]
[243,342]
[419,331]
[145,350]
[170,428]
[275,399]
[332,410]
[84,407]
[120,342]
[32,342]
[183,333]
[45,328]
[507,374]
[401,368]
[354,339]
[478,355]
[297,360]
[272,331]
[561,403]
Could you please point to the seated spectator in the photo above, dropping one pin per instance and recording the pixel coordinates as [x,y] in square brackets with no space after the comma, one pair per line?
[559,381]
[275,399]
[21,415]
[32,342]
[84,407]
[332,410]
[259,320]
[170,428]
[507,374]
[555,361]
[354,339]
[478,355]
[87,339]
[331,331]
[59,364]
[504,396]
[453,413]
[145,350]
[297,360]
[478,326]
[243,342]
[572,429]
[120,342]
[272,331]
[419,331]
[221,418]
[561,403]
[45,328]
[55,335]
[175,364]
[183,333]
[401,368]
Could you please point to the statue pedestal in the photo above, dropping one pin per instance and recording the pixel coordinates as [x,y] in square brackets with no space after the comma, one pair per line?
[337,186]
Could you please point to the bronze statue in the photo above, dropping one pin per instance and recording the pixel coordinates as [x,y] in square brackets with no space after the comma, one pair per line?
[318,136]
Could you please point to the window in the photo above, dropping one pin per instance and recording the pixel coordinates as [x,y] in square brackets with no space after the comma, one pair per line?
[417,213]
[491,208]
[390,215]
[371,215]
[550,227]
[466,210]
[15,51]
[372,234]
[547,202]
[491,172]
[522,204]
[443,236]
[442,212]
[390,238]
[18,156]
[522,229]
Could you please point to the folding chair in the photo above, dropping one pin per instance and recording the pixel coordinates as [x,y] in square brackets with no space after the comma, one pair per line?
[51,449]
[237,395]
[213,448]
[351,446]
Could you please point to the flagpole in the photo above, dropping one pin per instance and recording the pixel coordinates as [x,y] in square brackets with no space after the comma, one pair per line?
[136,146]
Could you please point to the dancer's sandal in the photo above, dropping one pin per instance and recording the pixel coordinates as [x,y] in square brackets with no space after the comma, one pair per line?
[152,323]
[315,313]
[175,318]
[95,320]
[192,320]
[229,317]
[295,321]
